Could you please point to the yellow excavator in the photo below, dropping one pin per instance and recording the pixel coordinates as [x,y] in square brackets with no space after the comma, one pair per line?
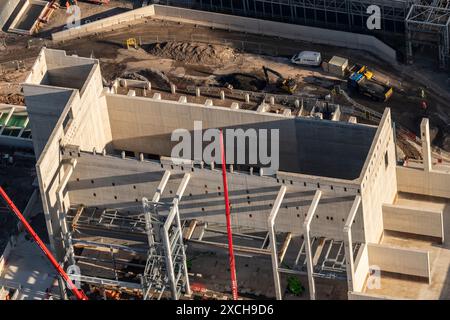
[288,85]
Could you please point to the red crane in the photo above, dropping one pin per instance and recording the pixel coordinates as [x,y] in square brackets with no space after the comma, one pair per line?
[78,293]
[229,231]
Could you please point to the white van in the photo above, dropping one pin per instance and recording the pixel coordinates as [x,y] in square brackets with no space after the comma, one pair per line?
[307,58]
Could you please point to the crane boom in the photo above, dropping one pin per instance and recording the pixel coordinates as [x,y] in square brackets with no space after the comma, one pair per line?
[234,286]
[77,292]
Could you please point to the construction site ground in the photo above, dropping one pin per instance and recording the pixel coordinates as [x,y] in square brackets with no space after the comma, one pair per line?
[210,270]
[250,53]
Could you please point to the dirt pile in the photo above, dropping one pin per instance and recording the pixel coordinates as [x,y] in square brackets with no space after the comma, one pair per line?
[12,98]
[194,52]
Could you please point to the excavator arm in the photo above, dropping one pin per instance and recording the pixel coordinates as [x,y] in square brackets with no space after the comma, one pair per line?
[288,85]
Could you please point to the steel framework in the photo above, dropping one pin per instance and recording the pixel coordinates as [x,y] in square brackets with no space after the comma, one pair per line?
[166,267]
[428,23]
[337,14]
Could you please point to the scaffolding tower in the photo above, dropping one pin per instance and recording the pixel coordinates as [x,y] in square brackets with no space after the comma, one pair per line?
[166,266]
[428,24]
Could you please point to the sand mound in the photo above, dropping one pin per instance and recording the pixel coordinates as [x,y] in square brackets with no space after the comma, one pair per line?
[194,52]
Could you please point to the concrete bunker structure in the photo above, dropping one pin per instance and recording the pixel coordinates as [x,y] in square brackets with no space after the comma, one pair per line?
[107,181]
[27,19]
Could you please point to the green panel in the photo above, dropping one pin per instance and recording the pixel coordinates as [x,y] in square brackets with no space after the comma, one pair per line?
[17,121]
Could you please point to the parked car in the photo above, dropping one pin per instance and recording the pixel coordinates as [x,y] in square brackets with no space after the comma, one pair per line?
[307,58]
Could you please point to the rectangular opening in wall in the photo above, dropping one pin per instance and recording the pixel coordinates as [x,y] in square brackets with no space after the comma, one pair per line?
[386,159]
[150,156]
[67,120]
[129,154]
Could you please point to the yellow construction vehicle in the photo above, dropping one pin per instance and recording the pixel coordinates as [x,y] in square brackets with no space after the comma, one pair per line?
[288,85]
[361,79]
[131,42]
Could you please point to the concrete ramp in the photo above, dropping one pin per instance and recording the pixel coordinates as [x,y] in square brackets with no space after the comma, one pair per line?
[427,222]
[411,262]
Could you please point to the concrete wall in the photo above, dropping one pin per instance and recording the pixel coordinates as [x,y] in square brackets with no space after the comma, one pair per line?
[361,268]
[242,24]
[433,183]
[426,222]
[26,20]
[400,260]
[6,9]
[278,29]
[378,181]
[145,125]
[61,116]
[112,182]
[367,296]
[121,20]
[52,96]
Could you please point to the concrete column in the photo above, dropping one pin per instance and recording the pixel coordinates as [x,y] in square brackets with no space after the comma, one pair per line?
[273,242]
[348,243]
[309,258]
[426,144]
[263,107]
[222,95]
[272,100]
[61,212]
[197,92]
[247,98]
[173,88]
